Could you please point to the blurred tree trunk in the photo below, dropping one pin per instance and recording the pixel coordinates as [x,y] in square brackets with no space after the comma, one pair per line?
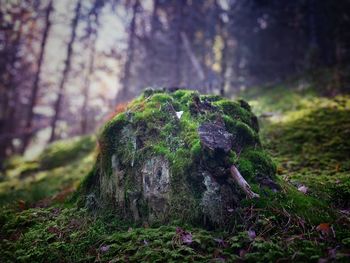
[151,48]
[67,65]
[8,118]
[192,57]
[34,92]
[178,43]
[124,93]
[223,66]
[86,91]
[224,55]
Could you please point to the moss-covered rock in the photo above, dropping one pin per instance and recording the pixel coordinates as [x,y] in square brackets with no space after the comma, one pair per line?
[168,156]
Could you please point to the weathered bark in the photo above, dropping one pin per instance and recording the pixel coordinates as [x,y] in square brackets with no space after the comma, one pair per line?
[35,88]
[242,183]
[67,66]
[215,137]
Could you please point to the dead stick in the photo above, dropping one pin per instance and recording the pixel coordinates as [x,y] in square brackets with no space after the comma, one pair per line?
[236,175]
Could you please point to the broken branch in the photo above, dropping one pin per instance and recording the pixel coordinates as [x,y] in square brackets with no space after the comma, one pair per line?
[242,183]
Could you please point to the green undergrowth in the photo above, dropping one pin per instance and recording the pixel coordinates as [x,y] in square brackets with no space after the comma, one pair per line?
[64,152]
[59,169]
[308,136]
[309,139]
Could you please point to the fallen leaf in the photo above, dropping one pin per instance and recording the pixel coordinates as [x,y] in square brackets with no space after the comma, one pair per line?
[187,238]
[332,253]
[53,230]
[280,170]
[221,242]
[242,253]
[179,114]
[304,189]
[104,248]
[337,167]
[62,195]
[21,205]
[251,234]
[184,236]
[324,228]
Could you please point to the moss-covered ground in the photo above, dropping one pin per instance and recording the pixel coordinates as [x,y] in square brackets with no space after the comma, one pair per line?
[307,135]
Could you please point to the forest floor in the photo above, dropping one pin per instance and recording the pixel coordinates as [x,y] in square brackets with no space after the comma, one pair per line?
[308,137]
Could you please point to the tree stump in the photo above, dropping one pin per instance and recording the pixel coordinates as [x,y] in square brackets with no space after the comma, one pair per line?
[179,155]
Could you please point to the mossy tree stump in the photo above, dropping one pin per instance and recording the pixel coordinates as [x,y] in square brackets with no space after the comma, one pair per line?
[172,155]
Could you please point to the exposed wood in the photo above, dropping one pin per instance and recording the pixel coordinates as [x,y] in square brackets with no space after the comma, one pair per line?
[242,183]
[215,137]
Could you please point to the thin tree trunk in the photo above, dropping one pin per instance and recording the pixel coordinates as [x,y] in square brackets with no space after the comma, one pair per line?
[195,62]
[151,46]
[57,105]
[180,4]
[123,94]
[35,88]
[86,92]
[223,61]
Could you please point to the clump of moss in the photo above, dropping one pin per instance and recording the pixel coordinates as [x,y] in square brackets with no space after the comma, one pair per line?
[160,130]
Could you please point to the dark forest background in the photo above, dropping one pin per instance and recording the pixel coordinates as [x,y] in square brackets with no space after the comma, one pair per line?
[66,65]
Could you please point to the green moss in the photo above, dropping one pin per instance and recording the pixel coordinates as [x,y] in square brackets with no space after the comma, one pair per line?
[246,168]
[161,98]
[51,175]
[235,111]
[244,136]
[211,98]
[196,150]
[185,96]
[254,164]
[245,105]
[73,235]
[63,152]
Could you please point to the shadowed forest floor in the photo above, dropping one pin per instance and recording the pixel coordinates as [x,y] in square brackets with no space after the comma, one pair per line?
[308,137]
